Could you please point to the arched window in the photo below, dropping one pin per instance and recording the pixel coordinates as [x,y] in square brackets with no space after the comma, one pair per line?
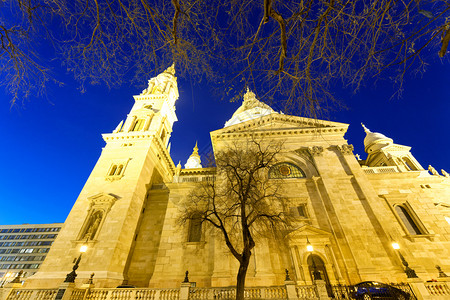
[286,170]
[409,164]
[119,170]
[408,220]
[195,229]
[113,170]
[138,125]
[163,135]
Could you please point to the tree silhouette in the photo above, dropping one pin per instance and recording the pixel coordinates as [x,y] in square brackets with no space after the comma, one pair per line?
[242,203]
[292,51]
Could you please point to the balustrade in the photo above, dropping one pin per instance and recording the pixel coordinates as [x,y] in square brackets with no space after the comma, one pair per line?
[438,289]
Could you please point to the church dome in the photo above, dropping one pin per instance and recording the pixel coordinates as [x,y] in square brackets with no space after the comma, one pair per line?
[250,109]
[374,140]
[194,161]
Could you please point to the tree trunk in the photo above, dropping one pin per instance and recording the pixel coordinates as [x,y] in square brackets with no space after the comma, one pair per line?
[240,284]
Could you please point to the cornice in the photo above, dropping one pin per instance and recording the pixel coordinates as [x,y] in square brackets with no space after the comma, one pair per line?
[199,171]
[143,135]
[149,97]
[165,154]
[253,127]
[132,135]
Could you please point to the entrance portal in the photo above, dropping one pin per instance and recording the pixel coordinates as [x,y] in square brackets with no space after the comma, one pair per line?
[320,267]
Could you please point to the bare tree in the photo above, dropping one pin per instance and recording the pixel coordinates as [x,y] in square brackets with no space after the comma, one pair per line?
[242,202]
[21,68]
[292,51]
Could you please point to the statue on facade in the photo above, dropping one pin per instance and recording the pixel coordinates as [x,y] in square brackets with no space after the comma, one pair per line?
[94,222]
[444,173]
[433,170]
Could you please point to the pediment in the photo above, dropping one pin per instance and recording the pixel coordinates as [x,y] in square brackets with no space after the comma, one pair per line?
[308,231]
[288,124]
[102,200]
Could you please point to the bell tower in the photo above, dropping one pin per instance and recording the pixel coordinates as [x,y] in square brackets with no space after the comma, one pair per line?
[107,212]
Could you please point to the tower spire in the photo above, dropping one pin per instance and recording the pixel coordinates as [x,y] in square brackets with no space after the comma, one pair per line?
[366,130]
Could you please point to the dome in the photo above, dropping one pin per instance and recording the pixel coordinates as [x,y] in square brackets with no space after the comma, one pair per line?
[194,161]
[374,140]
[250,109]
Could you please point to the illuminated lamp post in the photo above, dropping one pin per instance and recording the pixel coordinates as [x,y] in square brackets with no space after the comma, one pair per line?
[410,273]
[72,275]
[310,248]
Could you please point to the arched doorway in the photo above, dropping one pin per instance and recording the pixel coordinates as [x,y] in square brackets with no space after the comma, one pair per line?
[314,259]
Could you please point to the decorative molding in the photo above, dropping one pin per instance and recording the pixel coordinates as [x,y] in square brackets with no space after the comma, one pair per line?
[346,149]
[102,201]
[99,206]
[299,125]
[316,150]
[306,155]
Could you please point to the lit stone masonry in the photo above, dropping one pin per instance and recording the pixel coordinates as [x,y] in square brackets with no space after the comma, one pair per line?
[350,210]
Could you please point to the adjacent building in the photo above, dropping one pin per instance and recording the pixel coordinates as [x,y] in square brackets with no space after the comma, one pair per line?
[350,210]
[24,247]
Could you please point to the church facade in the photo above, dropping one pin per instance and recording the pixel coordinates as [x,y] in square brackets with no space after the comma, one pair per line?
[350,210]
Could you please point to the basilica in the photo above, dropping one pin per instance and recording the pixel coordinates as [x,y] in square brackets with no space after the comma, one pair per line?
[349,212]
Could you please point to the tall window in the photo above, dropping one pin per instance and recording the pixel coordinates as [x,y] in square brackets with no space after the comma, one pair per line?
[195,229]
[163,135]
[408,220]
[113,170]
[138,125]
[409,164]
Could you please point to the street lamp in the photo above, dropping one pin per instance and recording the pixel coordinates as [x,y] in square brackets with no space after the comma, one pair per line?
[310,248]
[410,273]
[72,275]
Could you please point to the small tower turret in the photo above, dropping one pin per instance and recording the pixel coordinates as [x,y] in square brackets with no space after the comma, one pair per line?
[382,151]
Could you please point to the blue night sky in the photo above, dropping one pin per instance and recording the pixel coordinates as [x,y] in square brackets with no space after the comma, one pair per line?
[50,145]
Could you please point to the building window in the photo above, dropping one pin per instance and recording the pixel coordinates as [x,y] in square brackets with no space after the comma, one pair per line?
[408,220]
[195,229]
[138,125]
[409,164]
[113,170]
[117,170]
[163,135]
[285,170]
[300,211]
